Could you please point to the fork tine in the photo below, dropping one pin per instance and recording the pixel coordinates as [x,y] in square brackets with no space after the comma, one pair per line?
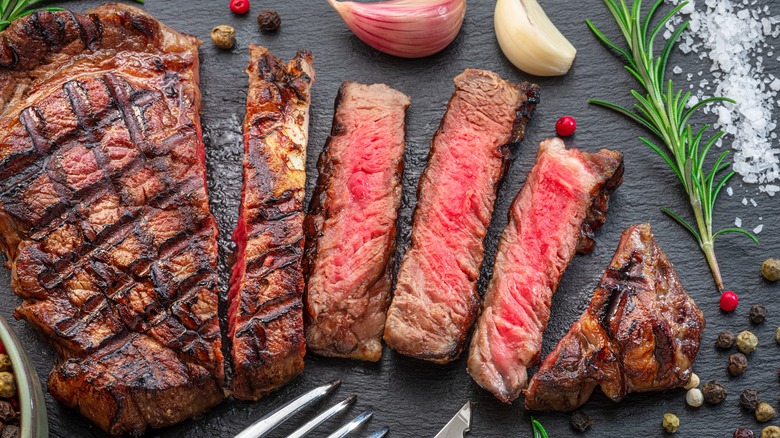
[352,425]
[269,422]
[380,433]
[319,419]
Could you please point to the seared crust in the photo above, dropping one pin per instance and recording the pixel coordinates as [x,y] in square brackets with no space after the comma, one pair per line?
[104,212]
[351,220]
[640,333]
[436,301]
[265,318]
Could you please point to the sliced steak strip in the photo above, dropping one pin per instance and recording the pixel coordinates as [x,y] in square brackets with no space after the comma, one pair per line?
[350,227]
[436,300]
[104,214]
[640,333]
[563,200]
[265,313]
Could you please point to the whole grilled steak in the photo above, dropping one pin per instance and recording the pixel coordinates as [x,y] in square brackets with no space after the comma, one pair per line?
[265,313]
[104,213]
[436,300]
[564,199]
[350,227]
[640,333]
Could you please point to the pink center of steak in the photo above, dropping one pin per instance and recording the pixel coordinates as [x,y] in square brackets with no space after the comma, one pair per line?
[545,223]
[351,224]
[435,301]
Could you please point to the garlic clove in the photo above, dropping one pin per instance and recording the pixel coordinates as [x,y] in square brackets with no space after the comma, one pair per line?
[404,28]
[530,40]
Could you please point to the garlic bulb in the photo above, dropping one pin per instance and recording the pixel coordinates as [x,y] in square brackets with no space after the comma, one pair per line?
[530,40]
[405,28]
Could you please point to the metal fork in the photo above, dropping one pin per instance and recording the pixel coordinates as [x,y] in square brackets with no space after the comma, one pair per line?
[269,422]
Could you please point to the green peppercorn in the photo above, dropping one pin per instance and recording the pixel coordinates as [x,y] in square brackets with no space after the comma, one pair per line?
[757,313]
[671,423]
[7,385]
[743,432]
[746,342]
[224,36]
[725,340]
[714,393]
[580,421]
[737,364]
[5,363]
[764,412]
[777,335]
[770,269]
[770,432]
[749,399]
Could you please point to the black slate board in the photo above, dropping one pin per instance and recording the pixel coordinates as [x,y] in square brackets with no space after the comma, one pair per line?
[415,398]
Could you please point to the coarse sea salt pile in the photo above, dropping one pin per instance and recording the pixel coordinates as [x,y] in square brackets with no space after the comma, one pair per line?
[733,36]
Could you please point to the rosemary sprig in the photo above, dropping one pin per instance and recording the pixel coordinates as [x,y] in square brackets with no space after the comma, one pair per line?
[663,112]
[538,429]
[10,10]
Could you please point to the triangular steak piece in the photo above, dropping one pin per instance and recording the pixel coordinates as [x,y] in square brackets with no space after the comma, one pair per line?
[436,300]
[265,316]
[350,228]
[104,213]
[564,199]
[640,333]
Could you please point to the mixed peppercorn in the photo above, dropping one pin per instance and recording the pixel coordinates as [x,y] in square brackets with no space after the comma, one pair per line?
[9,402]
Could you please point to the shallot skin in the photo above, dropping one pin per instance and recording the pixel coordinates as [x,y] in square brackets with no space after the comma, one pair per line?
[404,28]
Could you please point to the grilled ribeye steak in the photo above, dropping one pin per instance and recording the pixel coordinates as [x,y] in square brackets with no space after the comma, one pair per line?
[265,316]
[104,213]
[436,300]
[564,199]
[640,333]
[350,228]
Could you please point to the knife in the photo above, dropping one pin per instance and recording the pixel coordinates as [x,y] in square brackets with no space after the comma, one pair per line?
[458,425]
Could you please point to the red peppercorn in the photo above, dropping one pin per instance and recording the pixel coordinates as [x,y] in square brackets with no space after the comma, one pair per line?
[565,126]
[728,301]
[239,6]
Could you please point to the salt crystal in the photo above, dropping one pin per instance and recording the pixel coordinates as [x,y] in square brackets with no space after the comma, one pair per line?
[677,70]
[738,222]
[744,201]
[753,202]
[730,191]
[758,229]
[775,85]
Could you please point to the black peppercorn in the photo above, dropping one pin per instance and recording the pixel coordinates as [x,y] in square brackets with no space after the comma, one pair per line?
[749,399]
[725,340]
[11,432]
[714,392]
[744,432]
[269,20]
[7,412]
[737,364]
[580,421]
[757,313]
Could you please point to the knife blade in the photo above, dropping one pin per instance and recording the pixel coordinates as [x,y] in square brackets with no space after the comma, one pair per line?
[458,425]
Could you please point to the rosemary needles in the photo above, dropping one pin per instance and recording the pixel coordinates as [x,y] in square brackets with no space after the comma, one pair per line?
[663,112]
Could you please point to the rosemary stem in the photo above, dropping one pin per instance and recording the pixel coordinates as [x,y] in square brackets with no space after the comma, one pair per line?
[707,242]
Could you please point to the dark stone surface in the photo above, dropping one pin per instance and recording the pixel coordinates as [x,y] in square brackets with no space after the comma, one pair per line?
[416,398]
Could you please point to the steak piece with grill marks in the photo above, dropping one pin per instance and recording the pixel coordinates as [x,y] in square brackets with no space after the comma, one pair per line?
[641,333]
[104,214]
[436,299]
[564,199]
[350,227]
[265,312]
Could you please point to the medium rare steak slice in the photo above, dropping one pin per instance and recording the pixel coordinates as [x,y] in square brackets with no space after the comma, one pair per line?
[640,333]
[564,199]
[350,227]
[436,299]
[265,313]
[104,214]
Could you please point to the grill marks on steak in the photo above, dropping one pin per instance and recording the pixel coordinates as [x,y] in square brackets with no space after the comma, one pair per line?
[104,213]
[640,333]
[435,299]
[350,227]
[564,199]
[265,316]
